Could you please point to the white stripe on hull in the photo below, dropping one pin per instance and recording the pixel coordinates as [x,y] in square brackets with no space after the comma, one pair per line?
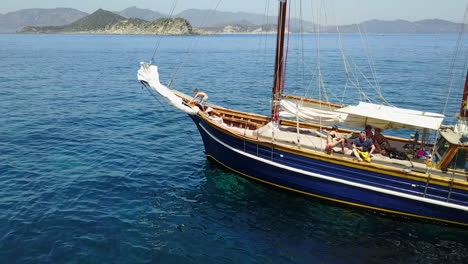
[328,178]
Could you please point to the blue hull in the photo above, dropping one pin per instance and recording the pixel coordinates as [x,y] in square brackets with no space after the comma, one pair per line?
[334,181]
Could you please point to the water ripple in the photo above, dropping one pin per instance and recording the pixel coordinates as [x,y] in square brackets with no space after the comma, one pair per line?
[94,170]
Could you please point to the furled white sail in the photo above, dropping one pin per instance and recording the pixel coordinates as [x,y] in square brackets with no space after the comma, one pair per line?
[462,126]
[310,112]
[385,117]
[149,74]
[354,116]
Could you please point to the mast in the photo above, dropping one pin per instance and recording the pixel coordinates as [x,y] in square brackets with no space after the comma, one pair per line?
[464,104]
[462,122]
[279,62]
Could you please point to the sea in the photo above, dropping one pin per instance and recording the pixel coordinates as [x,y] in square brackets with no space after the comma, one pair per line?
[94,168]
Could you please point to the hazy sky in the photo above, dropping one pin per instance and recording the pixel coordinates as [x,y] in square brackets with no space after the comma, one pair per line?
[341,11]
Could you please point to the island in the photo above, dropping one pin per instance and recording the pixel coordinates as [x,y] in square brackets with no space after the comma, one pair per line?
[106,22]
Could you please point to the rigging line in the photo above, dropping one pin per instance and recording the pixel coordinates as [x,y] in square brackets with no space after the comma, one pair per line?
[265,54]
[371,67]
[463,29]
[370,59]
[311,82]
[262,48]
[319,73]
[455,55]
[321,80]
[344,91]
[150,91]
[340,43]
[263,33]
[165,107]
[159,39]
[319,76]
[358,86]
[262,45]
[302,63]
[361,92]
[354,81]
[306,85]
[197,38]
[357,81]
[313,70]
[301,41]
[343,57]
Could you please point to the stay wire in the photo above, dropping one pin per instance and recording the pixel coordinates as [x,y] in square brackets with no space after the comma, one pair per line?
[164,106]
[371,66]
[456,52]
[159,39]
[190,48]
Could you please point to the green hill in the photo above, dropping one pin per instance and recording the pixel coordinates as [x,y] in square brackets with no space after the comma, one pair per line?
[95,21]
[106,22]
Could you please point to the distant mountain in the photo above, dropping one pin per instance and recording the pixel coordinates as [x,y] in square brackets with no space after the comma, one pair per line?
[99,19]
[13,21]
[145,14]
[106,22]
[213,19]
[400,26]
[243,29]
[209,19]
[438,26]
[59,19]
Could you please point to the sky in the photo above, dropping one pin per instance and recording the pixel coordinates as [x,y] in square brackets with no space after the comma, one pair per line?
[336,11]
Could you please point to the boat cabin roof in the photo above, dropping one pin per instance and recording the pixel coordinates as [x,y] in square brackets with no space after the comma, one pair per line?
[453,138]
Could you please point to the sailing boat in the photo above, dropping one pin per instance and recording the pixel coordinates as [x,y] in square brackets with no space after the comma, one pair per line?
[289,153]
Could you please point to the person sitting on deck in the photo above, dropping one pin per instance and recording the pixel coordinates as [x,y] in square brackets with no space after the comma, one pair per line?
[333,140]
[381,143]
[363,147]
[369,133]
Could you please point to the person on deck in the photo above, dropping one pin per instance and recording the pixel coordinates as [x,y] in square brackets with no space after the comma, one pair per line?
[369,133]
[200,98]
[381,143]
[363,147]
[333,140]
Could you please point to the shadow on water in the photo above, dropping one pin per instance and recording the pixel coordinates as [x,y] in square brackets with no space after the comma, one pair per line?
[227,217]
[312,225]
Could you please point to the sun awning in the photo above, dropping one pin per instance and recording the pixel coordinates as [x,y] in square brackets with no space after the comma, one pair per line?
[386,117]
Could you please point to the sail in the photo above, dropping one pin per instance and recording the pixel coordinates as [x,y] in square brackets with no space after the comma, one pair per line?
[149,74]
[360,115]
[311,112]
[385,117]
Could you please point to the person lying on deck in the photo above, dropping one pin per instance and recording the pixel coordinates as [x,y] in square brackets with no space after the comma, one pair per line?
[363,147]
[382,145]
[333,140]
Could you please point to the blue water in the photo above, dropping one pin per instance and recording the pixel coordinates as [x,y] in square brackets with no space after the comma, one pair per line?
[93,169]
